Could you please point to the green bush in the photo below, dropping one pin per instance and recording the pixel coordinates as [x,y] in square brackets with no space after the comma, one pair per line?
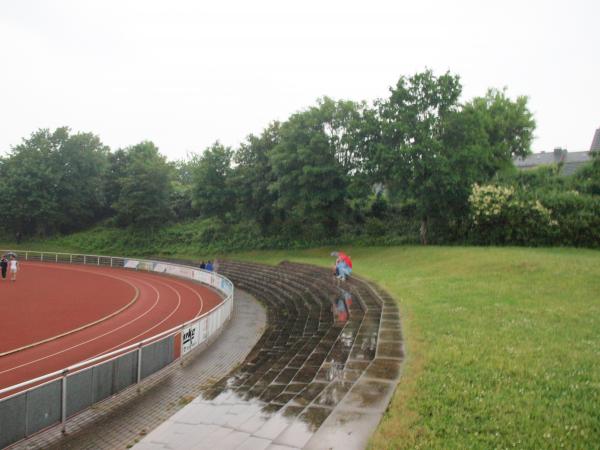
[375,227]
[507,215]
[577,216]
[587,179]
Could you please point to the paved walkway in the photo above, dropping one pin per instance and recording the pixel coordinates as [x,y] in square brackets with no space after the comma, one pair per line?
[123,420]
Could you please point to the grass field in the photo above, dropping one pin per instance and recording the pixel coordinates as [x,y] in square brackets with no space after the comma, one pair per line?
[503,344]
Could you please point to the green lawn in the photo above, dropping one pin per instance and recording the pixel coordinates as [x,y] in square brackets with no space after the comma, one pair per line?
[503,344]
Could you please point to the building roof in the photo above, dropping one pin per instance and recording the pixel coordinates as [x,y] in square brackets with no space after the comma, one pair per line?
[571,160]
[595,142]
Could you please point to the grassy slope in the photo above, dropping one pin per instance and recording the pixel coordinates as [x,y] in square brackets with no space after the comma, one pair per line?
[503,344]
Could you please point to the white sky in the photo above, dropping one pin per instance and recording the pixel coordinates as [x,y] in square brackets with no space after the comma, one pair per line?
[186,73]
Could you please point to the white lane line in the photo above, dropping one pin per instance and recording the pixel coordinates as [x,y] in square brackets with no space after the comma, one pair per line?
[152,327]
[143,280]
[192,289]
[92,339]
[84,326]
[196,293]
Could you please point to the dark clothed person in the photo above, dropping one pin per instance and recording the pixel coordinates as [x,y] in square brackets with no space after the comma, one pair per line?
[4,266]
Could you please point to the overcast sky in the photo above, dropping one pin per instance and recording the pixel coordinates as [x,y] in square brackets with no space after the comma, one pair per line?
[186,73]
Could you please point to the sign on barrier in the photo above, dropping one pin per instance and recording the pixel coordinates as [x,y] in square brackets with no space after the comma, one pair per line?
[179,271]
[131,264]
[202,276]
[203,333]
[145,265]
[226,286]
[158,267]
[190,337]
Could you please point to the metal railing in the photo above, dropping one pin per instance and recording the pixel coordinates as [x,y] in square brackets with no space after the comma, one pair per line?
[53,398]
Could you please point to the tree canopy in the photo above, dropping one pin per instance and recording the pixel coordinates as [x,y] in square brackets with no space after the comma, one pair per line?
[53,182]
[335,167]
[144,188]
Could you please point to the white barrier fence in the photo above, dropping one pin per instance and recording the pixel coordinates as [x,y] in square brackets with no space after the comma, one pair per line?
[35,404]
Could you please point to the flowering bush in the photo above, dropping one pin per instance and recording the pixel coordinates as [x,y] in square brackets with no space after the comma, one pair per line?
[505,214]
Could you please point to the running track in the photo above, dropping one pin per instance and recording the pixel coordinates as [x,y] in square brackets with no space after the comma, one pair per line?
[56,315]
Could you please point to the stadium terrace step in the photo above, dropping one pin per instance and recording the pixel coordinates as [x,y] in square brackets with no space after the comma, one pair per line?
[321,375]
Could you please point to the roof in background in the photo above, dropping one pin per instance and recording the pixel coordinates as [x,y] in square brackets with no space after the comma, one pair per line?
[555,157]
[596,141]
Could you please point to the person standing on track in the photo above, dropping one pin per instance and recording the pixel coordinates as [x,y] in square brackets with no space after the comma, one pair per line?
[14,268]
[4,266]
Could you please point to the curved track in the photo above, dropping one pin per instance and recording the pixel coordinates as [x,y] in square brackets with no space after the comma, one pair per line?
[66,314]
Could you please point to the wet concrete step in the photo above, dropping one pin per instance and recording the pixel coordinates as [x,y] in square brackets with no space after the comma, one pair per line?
[320,377]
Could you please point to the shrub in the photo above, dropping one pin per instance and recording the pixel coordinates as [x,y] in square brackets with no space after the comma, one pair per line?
[577,216]
[507,215]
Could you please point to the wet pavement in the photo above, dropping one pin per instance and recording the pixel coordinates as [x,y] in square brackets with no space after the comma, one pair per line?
[321,375]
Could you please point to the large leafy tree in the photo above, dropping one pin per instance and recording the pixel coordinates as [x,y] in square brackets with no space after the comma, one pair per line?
[481,139]
[342,124]
[425,146]
[211,172]
[346,125]
[81,167]
[252,176]
[310,181]
[181,194]
[502,129]
[413,121]
[143,189]
[53,181]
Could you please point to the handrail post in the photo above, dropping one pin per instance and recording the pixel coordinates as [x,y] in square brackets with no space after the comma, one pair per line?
[63,418]
[71,258]
[181,347]
[139,367]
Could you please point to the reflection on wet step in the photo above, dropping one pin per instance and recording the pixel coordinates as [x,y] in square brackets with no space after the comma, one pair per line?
[330,357]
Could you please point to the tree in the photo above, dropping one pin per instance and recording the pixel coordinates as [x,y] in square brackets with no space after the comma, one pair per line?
[211,192]
[144,187]
[341,124]
[480,139]
[53,182]
[181,193]
[413,122]
[252,176]
[503,128]
[82,162]
[429,148]
[310,182]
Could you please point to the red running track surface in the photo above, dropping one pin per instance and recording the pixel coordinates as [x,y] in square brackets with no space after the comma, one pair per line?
[97,309]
